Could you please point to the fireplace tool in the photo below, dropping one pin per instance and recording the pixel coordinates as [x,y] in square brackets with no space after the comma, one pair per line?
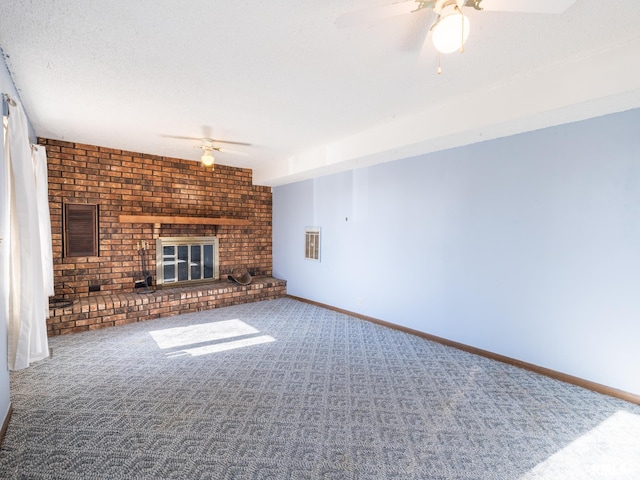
[144,285]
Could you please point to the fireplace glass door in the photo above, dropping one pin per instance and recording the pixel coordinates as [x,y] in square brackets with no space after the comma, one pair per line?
[186,259]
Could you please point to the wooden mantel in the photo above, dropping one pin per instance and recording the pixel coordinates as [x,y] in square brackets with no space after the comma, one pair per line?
[164,219]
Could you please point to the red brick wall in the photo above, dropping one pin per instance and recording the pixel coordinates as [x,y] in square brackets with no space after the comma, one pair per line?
[122,182]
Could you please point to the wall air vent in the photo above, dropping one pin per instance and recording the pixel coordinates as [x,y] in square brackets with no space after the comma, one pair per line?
[80,230]
[312,243]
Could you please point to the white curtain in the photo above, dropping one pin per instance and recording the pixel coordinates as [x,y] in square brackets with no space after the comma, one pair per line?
[28,298]
[39,158]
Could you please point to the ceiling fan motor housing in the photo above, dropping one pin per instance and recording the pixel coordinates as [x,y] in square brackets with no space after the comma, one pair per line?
[442,4]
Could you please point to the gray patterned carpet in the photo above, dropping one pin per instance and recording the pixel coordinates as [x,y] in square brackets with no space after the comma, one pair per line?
[286,390]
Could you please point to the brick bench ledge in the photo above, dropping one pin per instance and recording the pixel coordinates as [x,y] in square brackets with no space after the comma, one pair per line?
[118,308]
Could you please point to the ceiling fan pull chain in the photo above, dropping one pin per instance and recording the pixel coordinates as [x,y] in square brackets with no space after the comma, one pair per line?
[439,64]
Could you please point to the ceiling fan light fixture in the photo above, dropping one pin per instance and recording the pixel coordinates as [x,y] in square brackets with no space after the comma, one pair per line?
[451,30]
[207,159]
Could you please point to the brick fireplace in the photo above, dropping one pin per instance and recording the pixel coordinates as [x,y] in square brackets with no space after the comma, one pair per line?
[128,185]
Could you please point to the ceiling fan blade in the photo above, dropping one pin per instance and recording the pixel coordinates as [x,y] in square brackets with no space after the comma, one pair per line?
[525,6]
[232,152]
[213,140]
[206,139]
[372,15]
[179,137]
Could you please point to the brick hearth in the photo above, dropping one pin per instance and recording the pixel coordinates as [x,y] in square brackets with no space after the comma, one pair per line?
[119,308]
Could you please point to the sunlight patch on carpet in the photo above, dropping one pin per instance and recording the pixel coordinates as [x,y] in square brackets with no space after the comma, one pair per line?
[206,338]
[224,346]
[609,451]
[206,332]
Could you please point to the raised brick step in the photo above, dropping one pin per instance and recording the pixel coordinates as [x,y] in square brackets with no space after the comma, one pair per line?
[107,310]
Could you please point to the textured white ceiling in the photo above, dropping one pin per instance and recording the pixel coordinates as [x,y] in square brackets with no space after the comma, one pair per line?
[310,98]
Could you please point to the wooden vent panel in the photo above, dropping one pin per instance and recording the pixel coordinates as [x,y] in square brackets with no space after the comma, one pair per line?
[80,230]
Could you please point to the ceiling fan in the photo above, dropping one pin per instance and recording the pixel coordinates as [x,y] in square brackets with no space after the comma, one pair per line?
[451,28]
[208,146]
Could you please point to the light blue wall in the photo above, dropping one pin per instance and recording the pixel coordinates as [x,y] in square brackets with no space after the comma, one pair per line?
[527,246]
